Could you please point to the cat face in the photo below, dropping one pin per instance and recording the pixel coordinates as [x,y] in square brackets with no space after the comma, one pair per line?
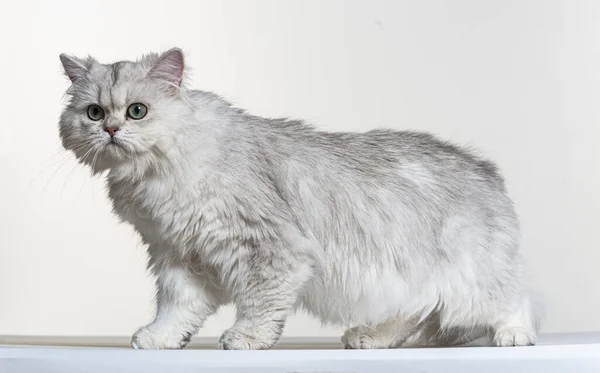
[121,112]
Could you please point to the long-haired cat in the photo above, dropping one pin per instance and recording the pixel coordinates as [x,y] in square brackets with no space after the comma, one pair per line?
[395,234]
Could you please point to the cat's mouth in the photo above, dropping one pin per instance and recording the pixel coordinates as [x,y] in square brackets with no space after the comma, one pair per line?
[114,148]
[115,143]
[118,149]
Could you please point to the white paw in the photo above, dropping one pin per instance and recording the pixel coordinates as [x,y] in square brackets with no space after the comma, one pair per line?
[364,338]
[514,336]
[246,339]
[149,338]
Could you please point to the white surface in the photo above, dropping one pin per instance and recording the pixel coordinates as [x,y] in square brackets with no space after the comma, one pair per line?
[576,353]
[519,79]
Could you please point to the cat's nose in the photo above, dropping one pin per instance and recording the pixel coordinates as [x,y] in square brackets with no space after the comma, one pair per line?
[111,131]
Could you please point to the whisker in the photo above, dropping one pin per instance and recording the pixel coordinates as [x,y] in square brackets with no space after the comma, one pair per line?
[58,159]
[95,159]
[60,153]
[85,180]
[93,167]
[53,174]
[77,197]
[82,159]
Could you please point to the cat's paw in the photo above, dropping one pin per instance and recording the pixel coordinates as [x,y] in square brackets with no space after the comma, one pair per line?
[247,339]
[364,338]
[514,336]
[151,338]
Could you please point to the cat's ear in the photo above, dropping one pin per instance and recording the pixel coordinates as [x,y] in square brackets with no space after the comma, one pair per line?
[169,67]
[75,68]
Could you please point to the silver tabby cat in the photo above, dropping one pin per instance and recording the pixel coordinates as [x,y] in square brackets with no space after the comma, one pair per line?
[399,236]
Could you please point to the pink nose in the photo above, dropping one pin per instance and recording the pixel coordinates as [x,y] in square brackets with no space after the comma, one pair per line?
[111,131]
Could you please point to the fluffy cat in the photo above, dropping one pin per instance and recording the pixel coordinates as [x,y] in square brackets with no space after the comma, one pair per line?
[398,235]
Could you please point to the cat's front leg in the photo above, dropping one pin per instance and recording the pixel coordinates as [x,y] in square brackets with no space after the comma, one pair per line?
[266,288]
[184,301]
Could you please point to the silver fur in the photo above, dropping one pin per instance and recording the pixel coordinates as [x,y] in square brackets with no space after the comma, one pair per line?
[398,235]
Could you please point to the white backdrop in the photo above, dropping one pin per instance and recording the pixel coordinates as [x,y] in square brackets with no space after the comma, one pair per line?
[519,80]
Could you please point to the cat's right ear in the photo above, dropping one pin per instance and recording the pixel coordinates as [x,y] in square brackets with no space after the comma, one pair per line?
[74,67]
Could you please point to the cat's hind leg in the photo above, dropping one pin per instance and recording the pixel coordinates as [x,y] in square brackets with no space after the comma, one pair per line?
[388,334]
[518,326]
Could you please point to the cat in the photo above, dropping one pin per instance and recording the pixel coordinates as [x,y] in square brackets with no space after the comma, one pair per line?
[397,235]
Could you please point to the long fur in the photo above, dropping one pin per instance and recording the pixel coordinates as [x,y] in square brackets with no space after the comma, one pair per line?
[397,235]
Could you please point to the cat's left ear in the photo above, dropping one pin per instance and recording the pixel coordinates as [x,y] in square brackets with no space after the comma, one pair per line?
[75,68]
[169,67]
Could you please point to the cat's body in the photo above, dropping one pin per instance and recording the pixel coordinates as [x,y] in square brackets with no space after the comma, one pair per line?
[396,234]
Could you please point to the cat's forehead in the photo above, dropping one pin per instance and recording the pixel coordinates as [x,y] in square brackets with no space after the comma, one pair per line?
[117,73]
[116,81]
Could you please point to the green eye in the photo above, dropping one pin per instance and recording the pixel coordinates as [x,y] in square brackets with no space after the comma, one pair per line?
[95,112]
[137,111]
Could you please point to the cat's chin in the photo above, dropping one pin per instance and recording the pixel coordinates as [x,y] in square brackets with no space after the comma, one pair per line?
[107,157]
[116,152]
[113,151]
[114,157]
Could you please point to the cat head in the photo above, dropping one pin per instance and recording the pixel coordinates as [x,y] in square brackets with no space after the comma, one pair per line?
[123,112]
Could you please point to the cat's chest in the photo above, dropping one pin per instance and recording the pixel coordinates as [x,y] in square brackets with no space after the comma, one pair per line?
[166,212]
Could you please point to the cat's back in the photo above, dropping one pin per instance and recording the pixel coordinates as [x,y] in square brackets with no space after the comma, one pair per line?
[381,155]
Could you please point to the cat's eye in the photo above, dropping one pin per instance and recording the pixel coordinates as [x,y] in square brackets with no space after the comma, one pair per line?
[95,112]
[137,111]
